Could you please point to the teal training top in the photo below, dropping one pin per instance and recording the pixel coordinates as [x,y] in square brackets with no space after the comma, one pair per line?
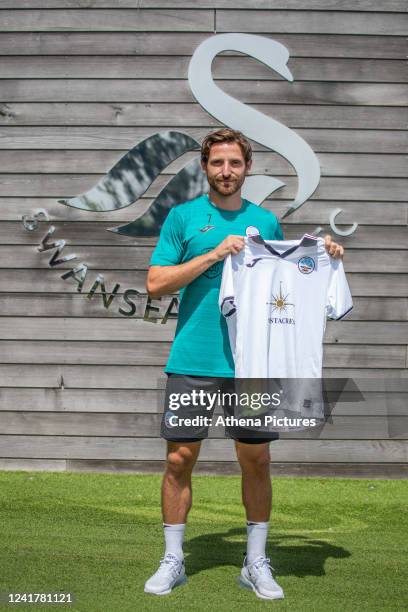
[201,345]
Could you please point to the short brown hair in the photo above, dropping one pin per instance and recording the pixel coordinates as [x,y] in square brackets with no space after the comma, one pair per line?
[225,135]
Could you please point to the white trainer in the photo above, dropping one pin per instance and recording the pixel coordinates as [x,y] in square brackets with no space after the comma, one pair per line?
[170,574]
[258,577]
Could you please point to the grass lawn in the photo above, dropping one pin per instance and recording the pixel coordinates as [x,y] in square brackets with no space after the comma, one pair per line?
[336,544]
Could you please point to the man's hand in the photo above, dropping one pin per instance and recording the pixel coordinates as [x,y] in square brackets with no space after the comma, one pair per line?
[333,249]
[231,244]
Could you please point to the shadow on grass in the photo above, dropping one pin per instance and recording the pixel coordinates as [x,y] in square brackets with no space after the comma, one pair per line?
[291,555]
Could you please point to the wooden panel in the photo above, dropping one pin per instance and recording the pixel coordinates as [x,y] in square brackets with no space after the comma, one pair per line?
[156,353]
[133,330]
[151,401]
[120,329]
[182,115]
[379,309]
[374,404]
[148,425]
[108,353]
[67,394]
[310,69]
[83,424]
[378,285]
[53,305]
[46,465]
[49,280]
[379,332]
[63,185]
[83,447]
[74,305]
[123,20]
[130,20]
[90,233]
[84,377]
[61,377]
[94,138]
[150,43]
[97,400]
[366,213]
[14,256]
[78,162]
[360,356]
[363,212]
[376,377]
[120,259]
[162,90]
[312,22]
[326,5]
[320,470]
[176,67]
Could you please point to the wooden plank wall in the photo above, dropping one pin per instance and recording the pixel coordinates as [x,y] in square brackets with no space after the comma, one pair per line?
[85,80]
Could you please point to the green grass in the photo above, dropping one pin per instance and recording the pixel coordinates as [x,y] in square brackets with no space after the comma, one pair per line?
[336,544]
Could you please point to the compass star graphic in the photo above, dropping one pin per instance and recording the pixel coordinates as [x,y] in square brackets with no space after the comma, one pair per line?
[279,301]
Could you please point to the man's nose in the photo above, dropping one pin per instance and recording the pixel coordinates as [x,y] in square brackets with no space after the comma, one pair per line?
[226,169]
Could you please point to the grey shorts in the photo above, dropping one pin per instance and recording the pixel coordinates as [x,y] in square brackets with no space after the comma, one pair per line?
[199,416]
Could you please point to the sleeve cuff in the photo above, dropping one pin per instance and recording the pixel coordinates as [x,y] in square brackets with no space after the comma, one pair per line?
[344,314]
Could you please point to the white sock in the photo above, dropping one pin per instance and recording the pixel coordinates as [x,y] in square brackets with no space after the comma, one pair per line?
[257,536]
[174,536]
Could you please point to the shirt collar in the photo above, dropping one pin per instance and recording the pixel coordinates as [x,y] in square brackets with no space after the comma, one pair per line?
[307,240]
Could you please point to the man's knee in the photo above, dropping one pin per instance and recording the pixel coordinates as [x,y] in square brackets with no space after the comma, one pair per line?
[254,457]
[181,458]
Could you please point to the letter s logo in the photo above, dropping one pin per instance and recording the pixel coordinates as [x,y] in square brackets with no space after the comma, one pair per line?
[251,122]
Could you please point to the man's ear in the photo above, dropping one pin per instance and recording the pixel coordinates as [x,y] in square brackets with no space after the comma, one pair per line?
[204,166]
[248,166]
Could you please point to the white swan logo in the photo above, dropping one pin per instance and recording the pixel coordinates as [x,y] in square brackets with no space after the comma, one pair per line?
[254,124]
[126,182]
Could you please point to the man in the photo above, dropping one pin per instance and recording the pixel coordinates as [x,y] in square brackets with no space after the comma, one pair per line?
[195,239]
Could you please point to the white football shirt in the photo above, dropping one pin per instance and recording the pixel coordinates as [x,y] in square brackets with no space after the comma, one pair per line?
[276,296]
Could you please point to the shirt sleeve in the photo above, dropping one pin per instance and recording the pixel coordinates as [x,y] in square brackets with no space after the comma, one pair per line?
[170,247]
[226,299]
[226,302]
[339,301]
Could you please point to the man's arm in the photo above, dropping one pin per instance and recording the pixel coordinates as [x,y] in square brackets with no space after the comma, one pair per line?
[164,280]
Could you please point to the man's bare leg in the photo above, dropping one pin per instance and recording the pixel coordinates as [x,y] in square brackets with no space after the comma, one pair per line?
[254,460]
[256,572]
[176,503]
[176,485]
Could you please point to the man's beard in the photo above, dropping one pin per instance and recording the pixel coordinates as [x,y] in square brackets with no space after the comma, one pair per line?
[232,187]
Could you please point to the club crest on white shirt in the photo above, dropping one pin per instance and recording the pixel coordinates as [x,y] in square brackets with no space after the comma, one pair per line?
[306,265]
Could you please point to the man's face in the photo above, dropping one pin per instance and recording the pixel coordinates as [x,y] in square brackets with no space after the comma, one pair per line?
[226,168]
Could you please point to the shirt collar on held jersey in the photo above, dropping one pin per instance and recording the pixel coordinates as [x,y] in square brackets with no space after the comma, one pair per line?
[307,240]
